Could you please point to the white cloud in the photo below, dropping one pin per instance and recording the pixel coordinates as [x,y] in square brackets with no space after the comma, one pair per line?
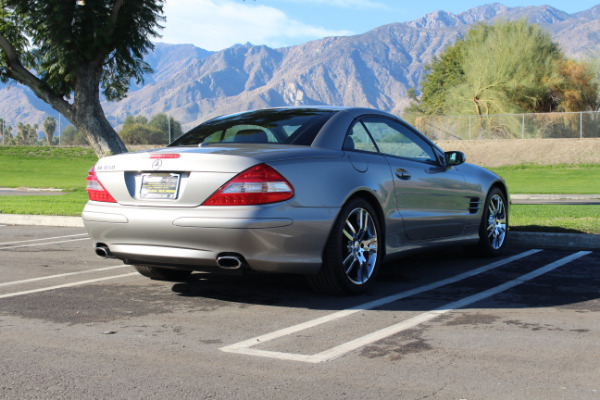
[215,25]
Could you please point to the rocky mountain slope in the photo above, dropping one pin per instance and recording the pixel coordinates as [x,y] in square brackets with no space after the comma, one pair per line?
[374,69]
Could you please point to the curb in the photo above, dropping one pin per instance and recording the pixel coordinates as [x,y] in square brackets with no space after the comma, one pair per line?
[566,199]
[41,220]
[542,240]
[557,241]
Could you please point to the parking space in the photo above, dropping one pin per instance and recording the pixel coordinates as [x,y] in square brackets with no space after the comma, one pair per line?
[440,325]
[38,258]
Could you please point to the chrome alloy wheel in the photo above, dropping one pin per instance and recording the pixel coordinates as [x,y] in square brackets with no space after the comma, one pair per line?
[360,237]
[496,222]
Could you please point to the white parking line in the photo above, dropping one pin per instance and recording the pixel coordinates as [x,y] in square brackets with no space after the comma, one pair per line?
[79,283]
[88,271]
[245,347]
[42,239]
[2,247]
[373,304]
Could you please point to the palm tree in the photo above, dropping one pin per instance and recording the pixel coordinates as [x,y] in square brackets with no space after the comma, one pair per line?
[49,127]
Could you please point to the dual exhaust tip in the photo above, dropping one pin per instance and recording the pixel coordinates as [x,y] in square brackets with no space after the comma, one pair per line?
[230,261]
[224,261]
[104,252]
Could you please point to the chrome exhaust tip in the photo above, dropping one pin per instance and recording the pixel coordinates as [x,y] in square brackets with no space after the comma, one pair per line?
[230,261]
[104,252]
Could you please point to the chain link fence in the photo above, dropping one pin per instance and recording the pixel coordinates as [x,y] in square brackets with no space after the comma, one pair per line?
[141,131]
[513,126]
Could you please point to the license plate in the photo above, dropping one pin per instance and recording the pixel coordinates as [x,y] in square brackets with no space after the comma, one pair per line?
[160,186]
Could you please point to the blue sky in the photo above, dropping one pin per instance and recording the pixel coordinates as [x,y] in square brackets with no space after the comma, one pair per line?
[218,24]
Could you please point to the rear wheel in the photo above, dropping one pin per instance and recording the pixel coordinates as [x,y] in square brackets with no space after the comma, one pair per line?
[162,274]
[353,251]
[493,230]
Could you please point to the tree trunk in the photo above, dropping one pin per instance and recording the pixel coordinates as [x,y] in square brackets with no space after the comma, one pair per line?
[88,116]
[477,108]
[92,123]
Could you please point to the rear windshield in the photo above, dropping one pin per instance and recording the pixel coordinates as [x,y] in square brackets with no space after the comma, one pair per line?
[282,126]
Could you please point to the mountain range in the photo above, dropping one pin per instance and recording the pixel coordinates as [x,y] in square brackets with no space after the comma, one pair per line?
[373,69]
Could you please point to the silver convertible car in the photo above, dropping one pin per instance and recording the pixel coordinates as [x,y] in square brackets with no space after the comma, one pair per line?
[326,192]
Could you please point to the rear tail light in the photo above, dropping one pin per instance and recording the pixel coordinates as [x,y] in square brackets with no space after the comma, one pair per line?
[97,192]
[260,184]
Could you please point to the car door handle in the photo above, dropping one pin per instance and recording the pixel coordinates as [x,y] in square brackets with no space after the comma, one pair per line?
[402,173]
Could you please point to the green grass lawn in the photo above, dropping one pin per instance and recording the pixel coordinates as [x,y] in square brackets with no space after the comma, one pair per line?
[551,179]
[45,167]
[555,218]
[67,168]
[70,203]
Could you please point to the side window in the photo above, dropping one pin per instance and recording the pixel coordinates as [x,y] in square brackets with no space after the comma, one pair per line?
[397,140]
[358,139]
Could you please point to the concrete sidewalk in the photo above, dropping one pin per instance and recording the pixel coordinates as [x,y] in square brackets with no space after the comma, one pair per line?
[566,199]
[41,220]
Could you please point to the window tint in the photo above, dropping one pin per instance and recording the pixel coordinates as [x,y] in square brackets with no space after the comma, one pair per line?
[358,139]
[398,140]
[286,126]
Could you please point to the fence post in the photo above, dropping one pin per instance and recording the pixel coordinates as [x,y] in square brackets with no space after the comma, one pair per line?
[523,127]
[580,125]
[469,127]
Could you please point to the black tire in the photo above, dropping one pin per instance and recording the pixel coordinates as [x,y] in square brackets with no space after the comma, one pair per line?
[353,251]
[163,274]
[493,230]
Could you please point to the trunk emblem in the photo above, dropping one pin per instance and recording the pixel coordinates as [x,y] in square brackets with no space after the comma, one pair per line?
[157,164]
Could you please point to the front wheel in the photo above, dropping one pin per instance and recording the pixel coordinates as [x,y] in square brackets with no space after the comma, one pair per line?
[493,230]
[353,251]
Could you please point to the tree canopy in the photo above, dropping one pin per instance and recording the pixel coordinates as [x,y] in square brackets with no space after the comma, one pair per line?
[70,136]
[161,129]
[26,134]
[505,68]
[66,51]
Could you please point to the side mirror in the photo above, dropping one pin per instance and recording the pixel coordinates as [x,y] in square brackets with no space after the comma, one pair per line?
[455,158]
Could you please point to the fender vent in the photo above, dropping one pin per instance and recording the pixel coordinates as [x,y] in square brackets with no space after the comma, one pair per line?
[474,205]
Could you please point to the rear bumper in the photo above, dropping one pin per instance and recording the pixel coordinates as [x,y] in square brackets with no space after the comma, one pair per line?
[194,238]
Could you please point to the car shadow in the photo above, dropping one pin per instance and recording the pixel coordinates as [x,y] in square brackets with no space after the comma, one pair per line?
[545,229]
[566,286]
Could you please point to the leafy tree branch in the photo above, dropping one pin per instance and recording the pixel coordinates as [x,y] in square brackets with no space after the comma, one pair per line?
[67,51]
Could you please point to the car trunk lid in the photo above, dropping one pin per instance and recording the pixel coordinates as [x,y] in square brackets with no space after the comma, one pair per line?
[184,177]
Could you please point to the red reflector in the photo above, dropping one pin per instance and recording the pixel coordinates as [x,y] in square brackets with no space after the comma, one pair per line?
[97,192]
[164,155]
[260,184]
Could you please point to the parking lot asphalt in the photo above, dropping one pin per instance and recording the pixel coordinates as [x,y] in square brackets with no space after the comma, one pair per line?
[436,325]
